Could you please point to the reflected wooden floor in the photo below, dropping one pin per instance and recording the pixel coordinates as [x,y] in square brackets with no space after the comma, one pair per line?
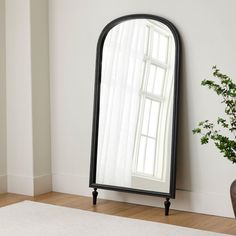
[181,218]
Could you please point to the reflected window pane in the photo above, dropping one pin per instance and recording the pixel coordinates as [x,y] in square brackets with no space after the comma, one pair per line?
[151,78]
[146,114]
[141,154]
[155,45]
[163,48]
[153,119]
[159,81]
[150,156]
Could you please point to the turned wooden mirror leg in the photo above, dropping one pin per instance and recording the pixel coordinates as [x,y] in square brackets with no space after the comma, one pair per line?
[95,195]
[167,206]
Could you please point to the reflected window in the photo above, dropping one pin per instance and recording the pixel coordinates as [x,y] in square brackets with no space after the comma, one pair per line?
[155,101]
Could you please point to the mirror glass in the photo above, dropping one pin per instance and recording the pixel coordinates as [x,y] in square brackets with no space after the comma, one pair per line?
[134,146]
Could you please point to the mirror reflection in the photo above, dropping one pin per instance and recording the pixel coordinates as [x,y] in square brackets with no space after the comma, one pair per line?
[136,106]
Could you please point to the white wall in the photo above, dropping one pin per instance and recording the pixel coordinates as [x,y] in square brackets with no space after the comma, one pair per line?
[208,36]
[27,91]
[3,177]
[40,95]
[19,104]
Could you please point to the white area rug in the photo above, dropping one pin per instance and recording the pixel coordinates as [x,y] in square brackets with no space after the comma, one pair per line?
[38,219]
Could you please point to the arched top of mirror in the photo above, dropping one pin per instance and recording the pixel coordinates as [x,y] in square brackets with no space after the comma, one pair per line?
[161,24]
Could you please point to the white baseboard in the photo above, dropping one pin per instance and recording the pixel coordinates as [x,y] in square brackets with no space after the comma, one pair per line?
[30,186]
[206,203]
[73,184]
[3,183]
[42,184]
[20,185]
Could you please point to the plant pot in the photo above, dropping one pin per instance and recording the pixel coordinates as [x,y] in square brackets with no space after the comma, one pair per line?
[233,196]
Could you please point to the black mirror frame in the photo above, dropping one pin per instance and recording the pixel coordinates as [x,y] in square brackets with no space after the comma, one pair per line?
[94,143]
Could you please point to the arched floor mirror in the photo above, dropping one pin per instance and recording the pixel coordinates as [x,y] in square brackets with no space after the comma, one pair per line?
[135,107]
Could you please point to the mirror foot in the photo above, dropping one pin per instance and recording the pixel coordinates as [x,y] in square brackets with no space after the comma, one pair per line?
[95,195]
[167,206]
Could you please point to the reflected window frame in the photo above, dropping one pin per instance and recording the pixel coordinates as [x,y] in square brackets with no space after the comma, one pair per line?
[162,99]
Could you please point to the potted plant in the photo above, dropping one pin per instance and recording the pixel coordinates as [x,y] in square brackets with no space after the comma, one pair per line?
[215,132]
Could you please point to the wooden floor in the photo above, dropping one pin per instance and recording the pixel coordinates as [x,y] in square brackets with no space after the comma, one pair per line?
[181,218]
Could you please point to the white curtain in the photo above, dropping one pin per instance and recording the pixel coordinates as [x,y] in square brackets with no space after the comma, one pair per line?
[122,71]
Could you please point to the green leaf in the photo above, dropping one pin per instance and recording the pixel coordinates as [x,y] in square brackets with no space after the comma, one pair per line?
[225,88]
